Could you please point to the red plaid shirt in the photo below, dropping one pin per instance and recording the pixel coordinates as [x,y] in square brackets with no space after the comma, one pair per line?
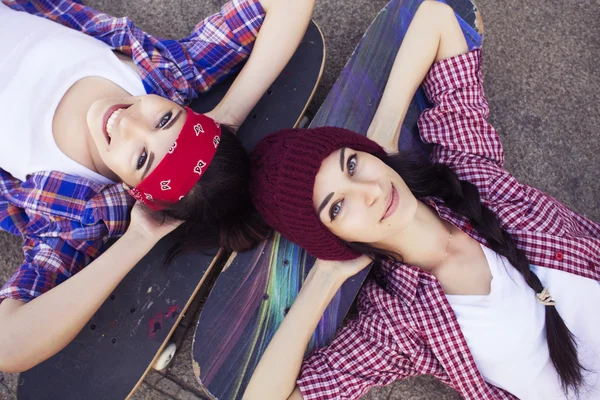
[408,327]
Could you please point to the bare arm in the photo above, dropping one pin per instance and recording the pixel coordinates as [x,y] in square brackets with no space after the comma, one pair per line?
[281,32]
[53,319]
[276,374]
[433,35]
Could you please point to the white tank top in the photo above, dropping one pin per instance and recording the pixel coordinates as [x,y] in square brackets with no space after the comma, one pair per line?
[40,61]
[505,329]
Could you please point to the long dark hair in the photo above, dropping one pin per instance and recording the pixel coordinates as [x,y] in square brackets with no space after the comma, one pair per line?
[218,212]
[425,179]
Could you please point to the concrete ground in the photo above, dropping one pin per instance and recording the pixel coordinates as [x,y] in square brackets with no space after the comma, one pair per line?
[543,85]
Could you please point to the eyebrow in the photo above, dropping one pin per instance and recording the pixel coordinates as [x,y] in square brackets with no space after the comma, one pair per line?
[324,203]
[148,165]
[342,158]
[330,195]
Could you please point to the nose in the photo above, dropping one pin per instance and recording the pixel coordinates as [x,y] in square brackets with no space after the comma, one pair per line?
[132,126]
[370,191]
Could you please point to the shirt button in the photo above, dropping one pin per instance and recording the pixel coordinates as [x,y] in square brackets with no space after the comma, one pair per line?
[468,226]
[559,256]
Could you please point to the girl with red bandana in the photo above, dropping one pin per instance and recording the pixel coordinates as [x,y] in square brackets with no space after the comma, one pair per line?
[93,108]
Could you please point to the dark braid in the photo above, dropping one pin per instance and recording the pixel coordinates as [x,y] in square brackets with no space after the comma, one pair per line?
[436,180]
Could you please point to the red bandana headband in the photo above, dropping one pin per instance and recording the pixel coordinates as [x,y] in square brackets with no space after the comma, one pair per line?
[183,165]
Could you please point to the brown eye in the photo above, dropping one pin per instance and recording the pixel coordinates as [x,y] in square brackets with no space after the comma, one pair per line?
[142,159]
[165,119]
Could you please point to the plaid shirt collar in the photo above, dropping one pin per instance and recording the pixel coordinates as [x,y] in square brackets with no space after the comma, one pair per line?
[409,276]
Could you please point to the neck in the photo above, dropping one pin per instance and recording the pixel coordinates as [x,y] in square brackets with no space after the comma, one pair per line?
[424,242]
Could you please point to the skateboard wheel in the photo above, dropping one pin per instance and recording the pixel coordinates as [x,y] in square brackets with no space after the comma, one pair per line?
[304,122]
[165,357]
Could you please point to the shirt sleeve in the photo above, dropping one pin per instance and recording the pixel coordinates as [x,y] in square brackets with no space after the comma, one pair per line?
[176,69]
[457,123]
[221,43]
[42,269]
[362,355]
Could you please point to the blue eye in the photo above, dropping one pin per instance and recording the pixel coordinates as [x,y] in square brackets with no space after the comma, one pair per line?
[165,119]
[351,164]
[142,159]
[335,210]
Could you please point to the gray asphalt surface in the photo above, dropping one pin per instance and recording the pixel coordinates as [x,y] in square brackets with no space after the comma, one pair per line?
[542,83]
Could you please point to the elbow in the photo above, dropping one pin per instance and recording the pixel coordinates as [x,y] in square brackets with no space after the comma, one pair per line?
[9,363]
[11,369]
[12,358]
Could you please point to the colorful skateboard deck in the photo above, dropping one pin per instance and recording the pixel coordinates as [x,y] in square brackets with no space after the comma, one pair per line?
[115,350]
[256,288]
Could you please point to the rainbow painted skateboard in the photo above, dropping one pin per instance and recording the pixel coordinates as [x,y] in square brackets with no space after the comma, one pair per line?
[256,288]
[132,330]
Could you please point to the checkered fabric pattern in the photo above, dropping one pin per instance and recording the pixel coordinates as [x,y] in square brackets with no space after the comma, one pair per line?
[176,69]
[405,325]
[66,220]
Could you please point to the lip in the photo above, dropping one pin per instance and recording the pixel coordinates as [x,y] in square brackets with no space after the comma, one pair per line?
[392,203]
[107,115]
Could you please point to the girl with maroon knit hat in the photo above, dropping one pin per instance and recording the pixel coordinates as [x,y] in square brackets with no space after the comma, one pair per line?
[94,118]
[488,284]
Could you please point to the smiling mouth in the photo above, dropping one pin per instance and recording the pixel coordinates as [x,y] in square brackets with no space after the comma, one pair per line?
[110,118]
[392,203]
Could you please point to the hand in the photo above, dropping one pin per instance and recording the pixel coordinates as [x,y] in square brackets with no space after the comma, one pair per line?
[342,270]
[150,225]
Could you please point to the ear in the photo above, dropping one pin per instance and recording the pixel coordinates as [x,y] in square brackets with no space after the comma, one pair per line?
[125,186]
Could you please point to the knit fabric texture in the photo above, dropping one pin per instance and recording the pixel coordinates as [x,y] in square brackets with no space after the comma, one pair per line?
[282,177]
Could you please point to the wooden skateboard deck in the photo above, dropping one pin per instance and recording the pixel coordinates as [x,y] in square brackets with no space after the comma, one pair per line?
[115,350]
[256,288]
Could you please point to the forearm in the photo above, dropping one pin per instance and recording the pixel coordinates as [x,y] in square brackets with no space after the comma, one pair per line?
[276,374]
[434,34]
[281,32]
[37,330]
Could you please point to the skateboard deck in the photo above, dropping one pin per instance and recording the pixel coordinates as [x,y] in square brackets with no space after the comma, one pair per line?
[256,288]
[115,350]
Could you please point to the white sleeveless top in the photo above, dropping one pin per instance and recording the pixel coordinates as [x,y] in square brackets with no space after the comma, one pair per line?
[40,61]
[505,329]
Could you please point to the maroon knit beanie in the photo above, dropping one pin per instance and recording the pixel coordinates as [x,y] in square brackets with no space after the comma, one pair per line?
[282,177]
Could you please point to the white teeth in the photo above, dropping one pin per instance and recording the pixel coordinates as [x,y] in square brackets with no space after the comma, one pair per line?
[110,124]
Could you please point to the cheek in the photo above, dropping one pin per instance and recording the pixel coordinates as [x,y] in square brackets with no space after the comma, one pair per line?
[117,162]
[356,226]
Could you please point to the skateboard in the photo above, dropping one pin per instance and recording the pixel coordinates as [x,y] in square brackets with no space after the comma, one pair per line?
[130,333]
[256,288]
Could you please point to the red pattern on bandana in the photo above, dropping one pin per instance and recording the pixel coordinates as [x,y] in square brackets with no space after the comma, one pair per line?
[183,165]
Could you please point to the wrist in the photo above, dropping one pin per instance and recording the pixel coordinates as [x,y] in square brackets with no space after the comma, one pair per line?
[223,115]
[140,237]
[385,131]
[328,274]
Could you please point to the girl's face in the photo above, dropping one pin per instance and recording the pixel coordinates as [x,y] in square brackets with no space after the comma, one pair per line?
[360,199]
[133,134]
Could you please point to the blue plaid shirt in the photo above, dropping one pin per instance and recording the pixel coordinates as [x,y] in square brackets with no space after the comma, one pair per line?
[66,220]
